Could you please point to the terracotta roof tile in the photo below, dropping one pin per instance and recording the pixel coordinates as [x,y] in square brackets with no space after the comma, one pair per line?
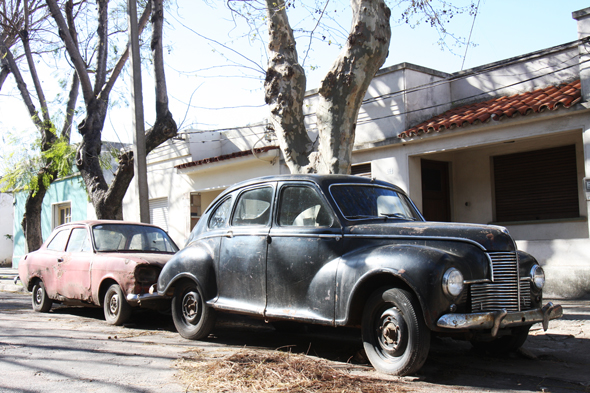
[224,157]
[536,101]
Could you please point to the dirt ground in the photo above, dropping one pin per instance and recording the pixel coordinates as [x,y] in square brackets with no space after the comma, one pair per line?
[73,349]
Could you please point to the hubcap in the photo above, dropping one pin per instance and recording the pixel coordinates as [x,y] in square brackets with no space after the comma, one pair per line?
[190,307]
[114,304]
[392,332]
[39,295]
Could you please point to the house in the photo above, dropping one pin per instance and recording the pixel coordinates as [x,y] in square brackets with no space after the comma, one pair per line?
[507,143]
[66,200]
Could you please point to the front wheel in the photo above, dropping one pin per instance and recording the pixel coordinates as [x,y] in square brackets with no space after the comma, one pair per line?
[116,309]
[192,317]
[41,302]
[395,336]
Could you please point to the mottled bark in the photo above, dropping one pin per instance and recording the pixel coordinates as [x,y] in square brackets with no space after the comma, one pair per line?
[285,89]
[341,92]
[344,87]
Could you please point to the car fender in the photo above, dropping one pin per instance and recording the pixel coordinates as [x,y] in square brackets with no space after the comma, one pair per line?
[194,262]
[419,268]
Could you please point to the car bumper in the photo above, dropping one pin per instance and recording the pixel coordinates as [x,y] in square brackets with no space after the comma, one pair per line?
[149,300]
[496,320]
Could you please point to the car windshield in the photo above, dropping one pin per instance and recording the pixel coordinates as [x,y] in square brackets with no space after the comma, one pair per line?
[363,201]
[132,238]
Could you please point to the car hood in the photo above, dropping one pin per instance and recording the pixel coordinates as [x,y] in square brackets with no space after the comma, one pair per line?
[490,237]
[141,258]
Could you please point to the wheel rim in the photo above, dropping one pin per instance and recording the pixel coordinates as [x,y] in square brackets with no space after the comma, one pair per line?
[39,295]
[114,304]
[392,333]
[191,307]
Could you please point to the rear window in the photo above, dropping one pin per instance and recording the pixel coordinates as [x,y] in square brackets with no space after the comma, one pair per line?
[119,237]
[58,243]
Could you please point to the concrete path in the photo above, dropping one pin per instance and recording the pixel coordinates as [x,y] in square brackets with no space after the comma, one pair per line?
[7,280]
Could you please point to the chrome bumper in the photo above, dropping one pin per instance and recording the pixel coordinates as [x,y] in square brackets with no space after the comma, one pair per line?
[134,299]
[496,320]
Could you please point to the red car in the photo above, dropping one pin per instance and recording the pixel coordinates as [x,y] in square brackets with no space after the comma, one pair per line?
[110,264]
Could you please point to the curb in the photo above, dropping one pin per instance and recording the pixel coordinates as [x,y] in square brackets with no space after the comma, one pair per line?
[10,283]
[12,288]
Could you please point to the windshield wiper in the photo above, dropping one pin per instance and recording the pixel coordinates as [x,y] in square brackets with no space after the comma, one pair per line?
[398,215]
[359,216]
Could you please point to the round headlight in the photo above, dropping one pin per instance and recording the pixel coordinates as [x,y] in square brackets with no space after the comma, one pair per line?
[538,277]
[452,282]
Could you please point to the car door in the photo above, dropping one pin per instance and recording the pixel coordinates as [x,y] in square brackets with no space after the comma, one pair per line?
[45,261]
[74,266]
[304,246]
[242,256]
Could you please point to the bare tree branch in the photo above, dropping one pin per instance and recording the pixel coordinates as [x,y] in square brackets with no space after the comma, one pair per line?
[21,85]
[72,50]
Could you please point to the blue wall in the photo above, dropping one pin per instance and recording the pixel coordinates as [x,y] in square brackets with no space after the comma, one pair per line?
[71,190]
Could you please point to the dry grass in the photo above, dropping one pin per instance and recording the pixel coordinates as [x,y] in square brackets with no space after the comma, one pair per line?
[265,371]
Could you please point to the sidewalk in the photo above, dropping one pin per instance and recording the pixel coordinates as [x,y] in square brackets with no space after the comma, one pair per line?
[7,284]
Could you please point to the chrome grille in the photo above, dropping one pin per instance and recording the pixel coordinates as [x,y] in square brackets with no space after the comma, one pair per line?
[503,291]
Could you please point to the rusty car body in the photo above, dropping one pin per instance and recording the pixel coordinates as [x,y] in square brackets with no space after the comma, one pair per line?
[104,263]
[351,251]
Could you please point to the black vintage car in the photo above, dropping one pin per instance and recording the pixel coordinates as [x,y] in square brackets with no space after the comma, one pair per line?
[350,251]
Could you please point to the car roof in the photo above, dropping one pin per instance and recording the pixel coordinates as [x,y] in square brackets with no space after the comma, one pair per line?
[322,180]
[103,222]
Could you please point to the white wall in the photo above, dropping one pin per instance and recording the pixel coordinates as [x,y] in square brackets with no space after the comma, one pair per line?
[510,77]
[6,228]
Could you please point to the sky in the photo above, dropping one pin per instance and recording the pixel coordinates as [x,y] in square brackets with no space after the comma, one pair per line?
[212,88]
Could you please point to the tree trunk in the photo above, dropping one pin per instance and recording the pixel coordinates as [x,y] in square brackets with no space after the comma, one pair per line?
[4,71]
[31,222]
[285,89]
[108,199]
[88,163]
[343,88]
[341,92]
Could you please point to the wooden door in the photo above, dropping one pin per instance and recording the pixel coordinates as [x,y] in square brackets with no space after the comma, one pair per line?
[436,199]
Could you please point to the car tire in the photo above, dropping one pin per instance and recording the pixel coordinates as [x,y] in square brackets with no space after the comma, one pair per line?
[41,301]
[192,317]
[504,344]
[116,309]
[395,336]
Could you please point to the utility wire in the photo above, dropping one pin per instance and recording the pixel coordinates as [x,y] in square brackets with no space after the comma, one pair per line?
[471,31]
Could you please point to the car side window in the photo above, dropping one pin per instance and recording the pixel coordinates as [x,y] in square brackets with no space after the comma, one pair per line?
[301,206]
[219,218]
[58,243]
[79,241]
[253,207]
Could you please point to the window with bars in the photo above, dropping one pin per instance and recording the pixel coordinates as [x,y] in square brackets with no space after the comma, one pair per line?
[536,185]
[361,170]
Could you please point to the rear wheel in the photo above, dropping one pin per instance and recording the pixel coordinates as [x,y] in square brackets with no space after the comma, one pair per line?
[506,343]
[395,336]
[41,302]
[116,309]
[191,315]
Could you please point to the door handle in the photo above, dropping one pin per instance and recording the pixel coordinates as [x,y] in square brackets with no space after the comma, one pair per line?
[268,239]
[60,259]
[229,234]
